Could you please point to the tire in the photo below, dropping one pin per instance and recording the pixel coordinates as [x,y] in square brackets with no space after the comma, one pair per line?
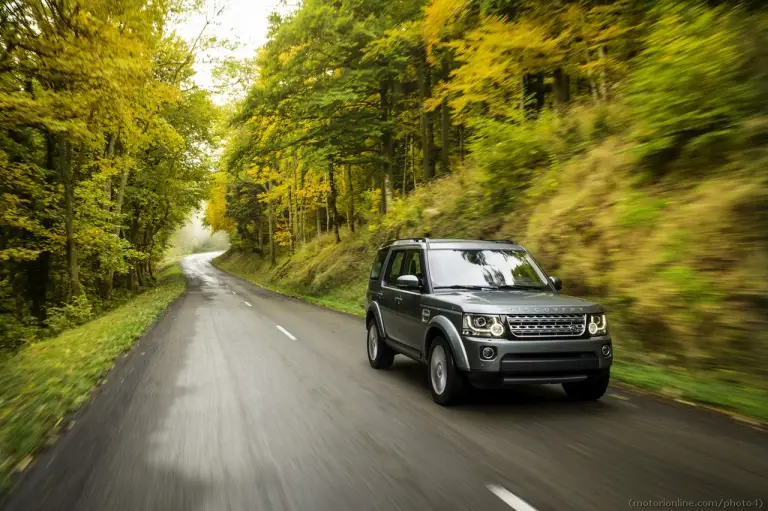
[449,385]
[590,389]
[380,355]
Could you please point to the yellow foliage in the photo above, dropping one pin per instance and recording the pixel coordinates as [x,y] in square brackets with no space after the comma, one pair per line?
[439,18]
[216,207]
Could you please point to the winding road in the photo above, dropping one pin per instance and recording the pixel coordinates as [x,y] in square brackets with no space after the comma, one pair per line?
[241,399]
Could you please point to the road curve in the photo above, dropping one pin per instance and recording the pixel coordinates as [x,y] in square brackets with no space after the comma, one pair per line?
[241,399]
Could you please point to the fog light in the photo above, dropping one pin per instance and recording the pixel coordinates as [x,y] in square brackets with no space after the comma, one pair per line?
[606,349]
[488,353]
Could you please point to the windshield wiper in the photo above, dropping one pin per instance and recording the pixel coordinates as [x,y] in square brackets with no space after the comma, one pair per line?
[520,286]
[465,287]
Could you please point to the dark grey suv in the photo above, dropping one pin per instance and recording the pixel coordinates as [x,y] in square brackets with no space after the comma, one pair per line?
[483,313]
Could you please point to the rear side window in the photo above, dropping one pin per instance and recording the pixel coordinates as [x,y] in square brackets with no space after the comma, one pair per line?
[378,264]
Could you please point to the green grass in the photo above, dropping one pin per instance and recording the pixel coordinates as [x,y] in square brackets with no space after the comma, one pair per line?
[680,384]
[47,380]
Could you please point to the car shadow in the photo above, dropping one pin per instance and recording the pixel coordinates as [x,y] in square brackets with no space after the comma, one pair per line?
[546,399]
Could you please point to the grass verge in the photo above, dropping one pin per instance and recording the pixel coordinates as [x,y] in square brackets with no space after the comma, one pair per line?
[742,402]
[47,380]
[732,397]
[252,270]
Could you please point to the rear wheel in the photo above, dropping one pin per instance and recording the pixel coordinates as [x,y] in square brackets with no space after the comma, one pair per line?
[590,389]
[449,385]
[380,355]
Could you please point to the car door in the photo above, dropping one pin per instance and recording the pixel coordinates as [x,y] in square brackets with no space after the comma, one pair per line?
[391,296]
[410,326]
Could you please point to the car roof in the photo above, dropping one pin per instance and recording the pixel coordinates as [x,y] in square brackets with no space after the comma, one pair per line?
[454,244]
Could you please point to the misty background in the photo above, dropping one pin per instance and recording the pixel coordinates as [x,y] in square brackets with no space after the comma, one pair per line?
[194,238]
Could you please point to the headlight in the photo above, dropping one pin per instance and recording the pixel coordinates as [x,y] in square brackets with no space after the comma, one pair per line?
[598,324]
[481,325]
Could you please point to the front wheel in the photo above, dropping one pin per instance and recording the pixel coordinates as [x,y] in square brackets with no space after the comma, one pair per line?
[380,355]
[449,385]
[590,389]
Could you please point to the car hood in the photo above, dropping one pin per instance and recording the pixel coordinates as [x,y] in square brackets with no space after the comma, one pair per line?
[513,302]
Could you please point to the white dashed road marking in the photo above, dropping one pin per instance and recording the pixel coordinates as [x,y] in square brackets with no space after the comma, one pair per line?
[248,304]
[510,498]
[286,332]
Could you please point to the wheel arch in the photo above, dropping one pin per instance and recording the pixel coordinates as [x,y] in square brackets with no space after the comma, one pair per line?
[374,314]
[443,327]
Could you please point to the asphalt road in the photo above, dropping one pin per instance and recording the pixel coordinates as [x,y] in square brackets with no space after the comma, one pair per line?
[240,399]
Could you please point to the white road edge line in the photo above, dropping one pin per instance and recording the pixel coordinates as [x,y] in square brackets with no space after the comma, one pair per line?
[248,304]
[286,332]
[510,498]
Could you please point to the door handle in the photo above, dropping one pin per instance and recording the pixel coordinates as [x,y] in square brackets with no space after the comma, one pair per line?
[398,299]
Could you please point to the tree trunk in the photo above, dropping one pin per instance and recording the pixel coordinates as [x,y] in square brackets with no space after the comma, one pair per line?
[38,272]
[332,203]
[295,201]
[351,194]
[132,238]
[107,285]
[562,87]
[603,81]
[387,148]
[318,228]
[405,164]
[303,221]
[386,192]
[109,153]
[427,141]
[445,125]
[69,178]
[413,162]
[272,255]
[290,222]
[121,195]
[260,235]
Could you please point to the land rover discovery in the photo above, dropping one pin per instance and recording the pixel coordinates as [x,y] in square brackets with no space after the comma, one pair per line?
[485,314]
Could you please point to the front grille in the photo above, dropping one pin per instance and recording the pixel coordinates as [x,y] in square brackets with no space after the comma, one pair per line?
[530,326]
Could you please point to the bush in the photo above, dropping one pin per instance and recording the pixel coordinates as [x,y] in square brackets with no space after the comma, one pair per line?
[74,313]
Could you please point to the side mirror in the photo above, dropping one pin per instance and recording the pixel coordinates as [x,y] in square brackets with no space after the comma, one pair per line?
[408,282]
[557,283]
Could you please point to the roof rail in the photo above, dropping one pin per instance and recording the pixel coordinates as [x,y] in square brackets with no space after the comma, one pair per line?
[413,239]
[392,242]
[504,241]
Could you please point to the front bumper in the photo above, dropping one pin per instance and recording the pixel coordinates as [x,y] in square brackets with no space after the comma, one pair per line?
[536,360]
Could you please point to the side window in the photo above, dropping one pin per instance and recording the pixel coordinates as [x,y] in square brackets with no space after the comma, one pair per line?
[413,264]
[395,268]
[378,264]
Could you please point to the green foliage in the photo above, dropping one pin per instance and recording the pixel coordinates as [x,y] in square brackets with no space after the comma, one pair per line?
[104,151]
[45,381]
[74,313]
[640,210]
[696,81]
[510,154]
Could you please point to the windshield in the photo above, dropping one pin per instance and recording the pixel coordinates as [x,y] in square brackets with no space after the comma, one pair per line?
[484,268]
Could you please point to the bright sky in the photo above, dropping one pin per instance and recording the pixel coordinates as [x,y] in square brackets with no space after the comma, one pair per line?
[241,21]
